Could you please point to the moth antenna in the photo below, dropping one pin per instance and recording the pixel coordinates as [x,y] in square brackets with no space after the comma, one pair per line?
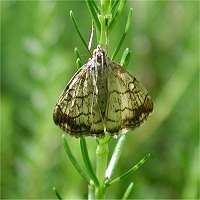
[102,60]
[91,36]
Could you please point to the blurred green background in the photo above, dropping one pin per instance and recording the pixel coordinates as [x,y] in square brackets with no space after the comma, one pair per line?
[37,60]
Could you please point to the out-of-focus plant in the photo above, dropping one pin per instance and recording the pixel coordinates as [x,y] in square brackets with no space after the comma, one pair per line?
[37,60]
[104,16]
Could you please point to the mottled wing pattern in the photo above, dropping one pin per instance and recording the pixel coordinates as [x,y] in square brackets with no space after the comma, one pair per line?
[128,102]
[77,111]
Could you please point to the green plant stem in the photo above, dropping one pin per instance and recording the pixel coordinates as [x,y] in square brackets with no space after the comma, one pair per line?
[91,190]
[103,33]
[102,147]
[101,165]
[105,7]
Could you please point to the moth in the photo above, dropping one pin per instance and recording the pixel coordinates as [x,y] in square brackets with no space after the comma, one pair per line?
[102,96]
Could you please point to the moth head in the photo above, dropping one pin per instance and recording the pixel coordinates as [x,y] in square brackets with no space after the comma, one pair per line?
[99,54]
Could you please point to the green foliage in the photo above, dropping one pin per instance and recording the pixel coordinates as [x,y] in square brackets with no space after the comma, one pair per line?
[125,58]
[128,191]
[75,162]
[57,194]
[124,34]
[132,169]
[37,59]
[87,161]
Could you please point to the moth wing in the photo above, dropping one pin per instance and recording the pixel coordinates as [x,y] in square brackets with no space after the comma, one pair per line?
[77,111]
[128,102]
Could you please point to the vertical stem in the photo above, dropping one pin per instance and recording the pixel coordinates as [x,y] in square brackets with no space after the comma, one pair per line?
[103,33]
[102,147]
[105,8]
[91,191]
[101,165]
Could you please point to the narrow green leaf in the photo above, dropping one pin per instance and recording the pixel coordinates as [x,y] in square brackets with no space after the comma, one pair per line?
[78,63]
[74,161]
[95,6]
[125,58]
[57,193]
[94,14]
[132,169]
[78,31]
[76,51]
[128,191]
[114,5]
[87,161]
[118,46]
[117,14]
[115,156]
[128,22]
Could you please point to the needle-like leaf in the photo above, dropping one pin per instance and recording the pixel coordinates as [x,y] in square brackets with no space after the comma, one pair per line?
[95,6]
[94,14]
[87,162]
[76,51]
[125,58]
[128,191]
[78,31]
[119,46]
[78,63]
[128,22]
[117,14]
[57,193]
[115,157]
[114,5]
[74,161]
[132,169]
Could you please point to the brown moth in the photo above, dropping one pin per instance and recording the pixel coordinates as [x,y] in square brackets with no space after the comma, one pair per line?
[102,96]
